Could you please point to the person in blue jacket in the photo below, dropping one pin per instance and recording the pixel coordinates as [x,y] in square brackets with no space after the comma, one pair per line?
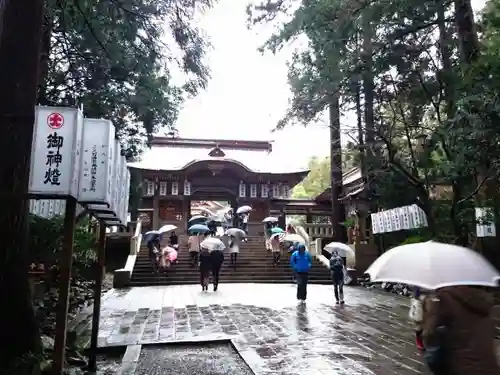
[301,262]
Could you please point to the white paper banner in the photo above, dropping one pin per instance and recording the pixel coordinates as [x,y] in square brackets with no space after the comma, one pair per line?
[55,151]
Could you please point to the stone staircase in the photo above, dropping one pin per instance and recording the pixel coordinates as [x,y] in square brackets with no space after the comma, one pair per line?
[254,266]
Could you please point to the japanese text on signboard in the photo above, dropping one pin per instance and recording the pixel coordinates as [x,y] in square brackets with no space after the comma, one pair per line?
[53,159]
[93,169]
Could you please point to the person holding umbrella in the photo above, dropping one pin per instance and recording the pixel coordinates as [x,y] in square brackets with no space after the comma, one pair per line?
[205,265]
[234,249]
[216,260]
[153,243]
[337,271]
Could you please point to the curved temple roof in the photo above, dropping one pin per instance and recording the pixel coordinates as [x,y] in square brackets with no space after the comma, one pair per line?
[175,158]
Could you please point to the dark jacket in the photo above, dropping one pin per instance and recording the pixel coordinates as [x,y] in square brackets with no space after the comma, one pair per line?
[174,240]
[205,260]
[154,242]
[216,258]
[467,329]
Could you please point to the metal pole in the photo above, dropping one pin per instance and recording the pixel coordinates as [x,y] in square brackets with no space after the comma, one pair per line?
[101,257]
[64,285]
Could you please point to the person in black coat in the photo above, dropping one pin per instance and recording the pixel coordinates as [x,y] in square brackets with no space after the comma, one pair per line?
[216,258]
[205,265]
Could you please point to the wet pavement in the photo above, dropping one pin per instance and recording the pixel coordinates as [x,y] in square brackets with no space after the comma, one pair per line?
[274,335]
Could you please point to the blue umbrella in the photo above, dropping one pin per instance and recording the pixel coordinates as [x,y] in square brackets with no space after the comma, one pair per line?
[148,235]
[197,220]
[198,228]
[276,230]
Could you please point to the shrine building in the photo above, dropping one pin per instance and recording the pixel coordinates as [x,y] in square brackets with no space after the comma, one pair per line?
[179,173]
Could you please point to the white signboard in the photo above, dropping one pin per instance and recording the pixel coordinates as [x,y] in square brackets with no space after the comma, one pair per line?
[127,196]
[387,219]
[187,187]
[97,162]
[55,152]
[242,190]
[175,188]
[381,222]
[375,227]
[485,222]
[264,191]
[396,219]
[123,190]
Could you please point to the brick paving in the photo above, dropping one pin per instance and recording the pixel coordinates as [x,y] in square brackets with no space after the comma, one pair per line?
[369,335]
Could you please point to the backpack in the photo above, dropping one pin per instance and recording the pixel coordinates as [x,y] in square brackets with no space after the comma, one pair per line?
[337,265]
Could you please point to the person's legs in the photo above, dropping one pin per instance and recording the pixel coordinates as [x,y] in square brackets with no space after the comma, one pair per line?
[192,255]
[341,291]
[305,280]
[275,258]
[301,283]
[202,279]
[336,291]
[215,276]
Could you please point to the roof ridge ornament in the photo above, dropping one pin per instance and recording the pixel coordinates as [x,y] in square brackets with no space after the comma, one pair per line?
[216,152]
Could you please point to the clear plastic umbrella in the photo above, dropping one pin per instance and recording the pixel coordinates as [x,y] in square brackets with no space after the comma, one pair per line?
[292,238]
[236,232]
[343,249]
[213,244]
[244,209]
[433,265]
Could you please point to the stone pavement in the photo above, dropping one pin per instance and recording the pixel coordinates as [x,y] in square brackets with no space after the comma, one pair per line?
[369,335]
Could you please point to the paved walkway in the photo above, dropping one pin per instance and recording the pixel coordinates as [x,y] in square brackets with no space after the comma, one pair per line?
[369,335]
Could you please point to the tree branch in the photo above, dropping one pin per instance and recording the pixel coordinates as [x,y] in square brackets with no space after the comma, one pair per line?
[476,190]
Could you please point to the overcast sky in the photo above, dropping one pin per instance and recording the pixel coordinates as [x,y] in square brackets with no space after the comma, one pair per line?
[248,92]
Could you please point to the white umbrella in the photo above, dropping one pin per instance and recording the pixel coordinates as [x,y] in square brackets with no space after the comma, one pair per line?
[343,249]
[433,265]
[244,209]
[213,244]
[292,238]
[167,228]
[270,219]
[236,232]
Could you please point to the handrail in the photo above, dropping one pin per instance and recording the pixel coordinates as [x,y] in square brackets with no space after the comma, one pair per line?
[136,240]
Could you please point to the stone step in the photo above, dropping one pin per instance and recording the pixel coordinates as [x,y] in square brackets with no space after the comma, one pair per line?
[194,282]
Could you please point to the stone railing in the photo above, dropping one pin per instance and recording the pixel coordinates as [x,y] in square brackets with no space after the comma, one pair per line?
[122,276]
[136,240]
[318,230]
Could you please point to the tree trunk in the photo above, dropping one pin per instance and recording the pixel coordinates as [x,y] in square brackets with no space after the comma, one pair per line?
[44,60]
[466,30]
[338,209]
[20,40]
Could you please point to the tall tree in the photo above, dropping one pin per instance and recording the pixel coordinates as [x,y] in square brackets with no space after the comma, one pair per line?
[20,42]
[110,56]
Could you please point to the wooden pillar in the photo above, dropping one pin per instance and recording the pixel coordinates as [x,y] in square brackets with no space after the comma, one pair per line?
[156,206]
[309,218]
[186,207]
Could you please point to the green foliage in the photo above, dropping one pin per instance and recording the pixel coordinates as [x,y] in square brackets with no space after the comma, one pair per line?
[319,177]
[45,239]
[316,182]
[415,239]
[416,66]
[114,58]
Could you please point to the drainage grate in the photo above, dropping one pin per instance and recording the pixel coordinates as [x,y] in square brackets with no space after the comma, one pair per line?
[191,359]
